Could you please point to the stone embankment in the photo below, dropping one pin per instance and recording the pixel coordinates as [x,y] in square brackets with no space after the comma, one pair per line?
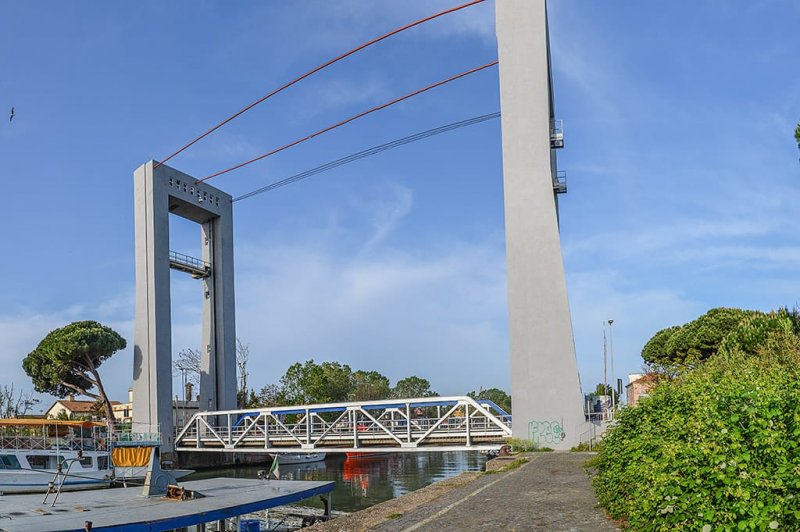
[539,491]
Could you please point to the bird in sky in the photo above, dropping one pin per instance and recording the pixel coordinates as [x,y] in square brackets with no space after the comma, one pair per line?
[11,116]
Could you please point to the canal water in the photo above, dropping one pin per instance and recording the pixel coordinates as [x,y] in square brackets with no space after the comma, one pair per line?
[362,482]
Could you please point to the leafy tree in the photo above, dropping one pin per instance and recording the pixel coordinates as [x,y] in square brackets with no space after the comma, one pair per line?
[269,396]
[603,389]
[794,317]
[329,382]
[496,395]
[797,133]
[66,361]
[411,387]
[754,332]
[369,386]
[689,345]
[655,351]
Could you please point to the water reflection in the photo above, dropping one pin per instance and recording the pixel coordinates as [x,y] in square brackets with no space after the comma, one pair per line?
[362,482]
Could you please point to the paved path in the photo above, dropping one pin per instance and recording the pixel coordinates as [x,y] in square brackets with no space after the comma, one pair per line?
[551,492]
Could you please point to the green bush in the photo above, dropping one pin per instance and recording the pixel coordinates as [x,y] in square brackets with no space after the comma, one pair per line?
[717,448]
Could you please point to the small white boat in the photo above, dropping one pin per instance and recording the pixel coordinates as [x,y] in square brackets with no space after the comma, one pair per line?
[297,458]
[31,451]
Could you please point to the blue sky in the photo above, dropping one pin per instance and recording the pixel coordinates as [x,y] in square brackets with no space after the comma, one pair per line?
[683,174]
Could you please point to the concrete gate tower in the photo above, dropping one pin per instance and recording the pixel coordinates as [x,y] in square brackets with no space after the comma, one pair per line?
[545,387]
[159,192]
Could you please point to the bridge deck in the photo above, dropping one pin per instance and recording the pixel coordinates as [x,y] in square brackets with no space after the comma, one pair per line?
[448,423]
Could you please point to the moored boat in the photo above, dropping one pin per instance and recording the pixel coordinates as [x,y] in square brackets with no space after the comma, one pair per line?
[31,451]
[298,458]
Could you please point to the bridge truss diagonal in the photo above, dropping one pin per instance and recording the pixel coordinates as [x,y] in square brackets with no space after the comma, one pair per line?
[420,424]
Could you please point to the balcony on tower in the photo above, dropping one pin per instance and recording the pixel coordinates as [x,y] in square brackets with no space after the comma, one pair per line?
[199,269]
[556,134]
[560,182]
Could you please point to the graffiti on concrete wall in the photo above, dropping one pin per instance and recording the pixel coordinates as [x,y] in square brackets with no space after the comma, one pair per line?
[546,431]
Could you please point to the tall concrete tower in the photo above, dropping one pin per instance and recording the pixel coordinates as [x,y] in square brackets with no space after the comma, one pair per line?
[159,192]
[545,388]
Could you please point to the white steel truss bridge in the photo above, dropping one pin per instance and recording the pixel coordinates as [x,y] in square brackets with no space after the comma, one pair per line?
[422,424]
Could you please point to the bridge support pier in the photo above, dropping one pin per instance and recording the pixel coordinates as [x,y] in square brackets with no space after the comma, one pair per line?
[159,192]
[545,388]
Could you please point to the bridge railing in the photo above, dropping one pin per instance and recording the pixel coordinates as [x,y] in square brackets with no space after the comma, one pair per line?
[405,424]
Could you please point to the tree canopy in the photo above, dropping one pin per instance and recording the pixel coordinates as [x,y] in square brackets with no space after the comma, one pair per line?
[690,344]
[412,387]
[369,386]
[496,395]
[66,361]
[309,383]
[332,382]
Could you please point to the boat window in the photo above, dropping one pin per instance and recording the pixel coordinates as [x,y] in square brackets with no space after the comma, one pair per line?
[102,462]
[37,461]
[9,461]
[86,462]
[42,461]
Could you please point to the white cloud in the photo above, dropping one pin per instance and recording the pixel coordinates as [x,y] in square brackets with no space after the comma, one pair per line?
[354,297]
[441,317]
[384,214]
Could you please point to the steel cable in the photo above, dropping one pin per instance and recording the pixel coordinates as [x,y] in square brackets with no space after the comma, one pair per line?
[348,120]
[367,153]
[317,69]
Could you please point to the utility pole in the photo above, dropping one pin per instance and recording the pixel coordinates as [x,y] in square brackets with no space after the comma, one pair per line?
[605,362]
[611,350]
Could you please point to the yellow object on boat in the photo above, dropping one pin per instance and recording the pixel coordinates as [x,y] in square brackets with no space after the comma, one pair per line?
[131,456]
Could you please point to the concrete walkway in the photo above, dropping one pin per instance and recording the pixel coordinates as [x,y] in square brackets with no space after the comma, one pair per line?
[551,492]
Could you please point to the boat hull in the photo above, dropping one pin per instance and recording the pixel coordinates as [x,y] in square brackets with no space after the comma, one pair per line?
[298,458]
[37,482]
[363,455]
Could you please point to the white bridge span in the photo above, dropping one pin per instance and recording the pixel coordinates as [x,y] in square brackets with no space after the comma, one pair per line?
[422,424]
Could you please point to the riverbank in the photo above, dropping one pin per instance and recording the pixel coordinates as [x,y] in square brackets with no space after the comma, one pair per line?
[550,491]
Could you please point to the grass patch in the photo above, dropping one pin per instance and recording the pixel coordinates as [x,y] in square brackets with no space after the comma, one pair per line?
[510,467]
[395,515]
[584,447]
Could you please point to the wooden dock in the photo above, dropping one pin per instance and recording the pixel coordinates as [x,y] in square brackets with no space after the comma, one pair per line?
[124,509]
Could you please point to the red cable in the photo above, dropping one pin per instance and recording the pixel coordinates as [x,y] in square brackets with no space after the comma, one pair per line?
[343,122]
[314,71]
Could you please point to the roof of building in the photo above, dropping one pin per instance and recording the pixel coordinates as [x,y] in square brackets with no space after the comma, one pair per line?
[79,406]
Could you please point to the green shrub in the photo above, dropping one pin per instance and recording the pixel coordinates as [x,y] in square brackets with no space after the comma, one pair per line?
[717,448]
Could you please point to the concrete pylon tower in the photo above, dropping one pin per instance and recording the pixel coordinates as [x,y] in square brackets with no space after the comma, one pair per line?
[545,387]
[159,192]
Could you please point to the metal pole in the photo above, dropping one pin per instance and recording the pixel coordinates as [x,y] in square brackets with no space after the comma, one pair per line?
[469,436]
[614,382]
[408,422]
[605,364]
[308,427]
